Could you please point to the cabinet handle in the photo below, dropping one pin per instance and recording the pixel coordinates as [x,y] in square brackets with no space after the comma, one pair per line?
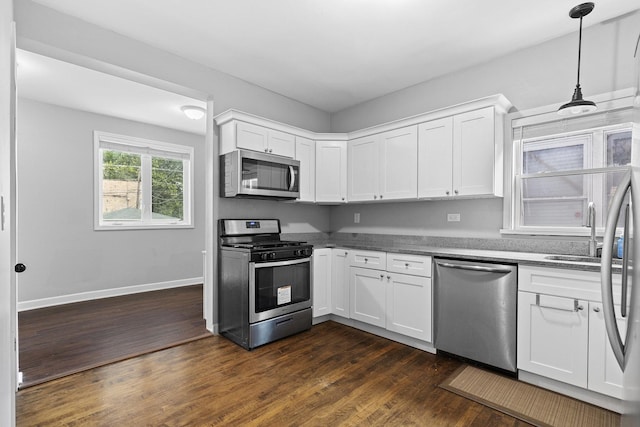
[366,260]
[375,197]
[447,192]
[596,309]
[266,150]
[346,253]
[381,276]
[455,191]
[381,196]
[406,265]
[388,277]
[576,306]
[343,199]
[271,150]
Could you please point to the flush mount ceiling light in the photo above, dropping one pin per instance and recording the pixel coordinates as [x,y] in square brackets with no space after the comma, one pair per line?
[193,112]
[577,105]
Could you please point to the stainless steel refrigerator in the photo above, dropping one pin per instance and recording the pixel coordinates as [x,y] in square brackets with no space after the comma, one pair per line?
[626,345]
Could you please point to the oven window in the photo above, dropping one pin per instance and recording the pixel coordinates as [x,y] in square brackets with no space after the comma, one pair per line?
[282,285]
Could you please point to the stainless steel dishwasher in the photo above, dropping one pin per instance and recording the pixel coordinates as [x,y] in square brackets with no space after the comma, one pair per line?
[475,311]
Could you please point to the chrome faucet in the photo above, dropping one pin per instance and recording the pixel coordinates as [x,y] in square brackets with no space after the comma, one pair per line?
[594,247]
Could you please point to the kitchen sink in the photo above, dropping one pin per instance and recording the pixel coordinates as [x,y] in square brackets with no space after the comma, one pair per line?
[581,258]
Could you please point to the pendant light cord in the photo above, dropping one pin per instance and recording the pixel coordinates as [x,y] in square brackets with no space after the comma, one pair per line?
[579,51]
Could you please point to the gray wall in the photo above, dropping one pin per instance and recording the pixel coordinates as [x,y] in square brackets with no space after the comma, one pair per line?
[51,271]
[56,238]
[534,77]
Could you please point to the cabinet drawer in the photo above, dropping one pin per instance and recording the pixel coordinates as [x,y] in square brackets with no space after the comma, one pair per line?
[565,283]
[415,265]
[369,259]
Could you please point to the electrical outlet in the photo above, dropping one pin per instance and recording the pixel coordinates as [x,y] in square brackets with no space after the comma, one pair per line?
[453,217]
[356,218]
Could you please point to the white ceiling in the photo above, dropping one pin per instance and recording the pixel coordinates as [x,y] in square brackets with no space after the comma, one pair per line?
[333,54]
[56,82]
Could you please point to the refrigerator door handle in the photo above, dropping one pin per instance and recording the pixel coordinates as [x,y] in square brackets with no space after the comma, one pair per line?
[606,281]
[625,264]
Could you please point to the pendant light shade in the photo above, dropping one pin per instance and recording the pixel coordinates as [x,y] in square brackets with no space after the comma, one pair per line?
[578,105]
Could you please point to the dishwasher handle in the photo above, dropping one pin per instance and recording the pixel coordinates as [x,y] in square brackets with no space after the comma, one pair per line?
[481,268]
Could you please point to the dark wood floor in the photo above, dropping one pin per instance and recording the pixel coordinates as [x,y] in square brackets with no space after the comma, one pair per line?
[57,341]
[332,375]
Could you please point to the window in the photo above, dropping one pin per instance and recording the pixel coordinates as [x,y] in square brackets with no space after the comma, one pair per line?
[141,183]
[562,165]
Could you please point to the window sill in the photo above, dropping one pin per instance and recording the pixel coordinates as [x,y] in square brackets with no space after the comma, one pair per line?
[535,232]
[120,227]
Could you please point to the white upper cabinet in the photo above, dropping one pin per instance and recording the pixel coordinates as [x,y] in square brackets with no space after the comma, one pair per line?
[306,155]
[474,153]
[257,138]
[331,171]
[451,152]
[435,158]
[461,155]
[383,166]
[363,159]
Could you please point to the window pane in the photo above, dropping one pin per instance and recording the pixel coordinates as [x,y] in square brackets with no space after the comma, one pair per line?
[553,213]
[552,159]
[613,180]
[167,184]
[619,148]
[558,201]
[121,186]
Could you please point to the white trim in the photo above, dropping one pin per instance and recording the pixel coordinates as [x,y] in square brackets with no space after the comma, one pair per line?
[106,293]
[498,101]
[110,141]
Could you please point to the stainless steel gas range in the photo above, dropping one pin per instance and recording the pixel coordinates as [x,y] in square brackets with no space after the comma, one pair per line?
[264,286]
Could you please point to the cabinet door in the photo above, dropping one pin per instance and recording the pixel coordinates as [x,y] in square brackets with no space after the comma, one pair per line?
[474,152]
[363,170]
[251,137]
[605,375]
[435,158]
[399,164]
[321,282]
[553,337]
[368,296]
[340,282]
[409,305]
[306,154]
[281,143]
[331,171]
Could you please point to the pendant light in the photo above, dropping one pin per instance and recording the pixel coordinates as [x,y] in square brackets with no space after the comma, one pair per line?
[577,105]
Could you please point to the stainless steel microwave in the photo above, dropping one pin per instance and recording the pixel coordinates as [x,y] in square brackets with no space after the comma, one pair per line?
[246,173]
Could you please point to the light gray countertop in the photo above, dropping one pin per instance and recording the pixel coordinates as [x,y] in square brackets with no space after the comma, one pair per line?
[520,258]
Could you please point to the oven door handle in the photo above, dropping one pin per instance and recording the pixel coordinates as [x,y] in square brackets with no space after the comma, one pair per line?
[280,263]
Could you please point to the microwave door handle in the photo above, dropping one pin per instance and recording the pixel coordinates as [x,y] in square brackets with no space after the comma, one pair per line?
[625,263]
[292,178]
[605,270]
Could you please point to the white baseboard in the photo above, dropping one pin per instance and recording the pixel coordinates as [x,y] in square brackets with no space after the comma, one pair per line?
[106,293]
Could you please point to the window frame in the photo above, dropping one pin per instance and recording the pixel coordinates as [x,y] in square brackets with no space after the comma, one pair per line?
[146,148]
[608,102]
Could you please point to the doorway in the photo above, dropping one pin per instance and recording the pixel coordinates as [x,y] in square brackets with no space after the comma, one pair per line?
[60,105]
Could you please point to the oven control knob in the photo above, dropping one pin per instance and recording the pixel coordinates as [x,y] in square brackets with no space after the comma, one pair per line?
[263,256]
[272,255]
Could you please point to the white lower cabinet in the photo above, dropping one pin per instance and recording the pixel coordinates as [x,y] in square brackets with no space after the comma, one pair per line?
[387,290]
[368,296]
[340,282]
[563,336]
[553,337]
[321,280]
[408,305]
[605,376]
